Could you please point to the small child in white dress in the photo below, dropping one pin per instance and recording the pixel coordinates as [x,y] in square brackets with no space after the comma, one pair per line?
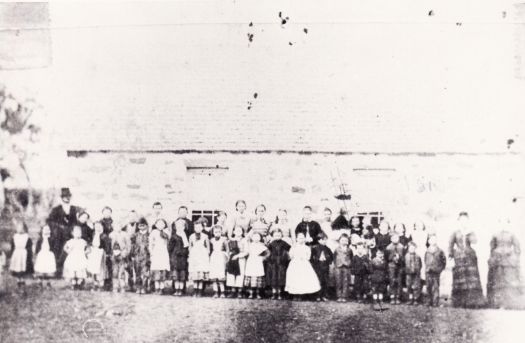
[45,263]
[21,264]
[300,276]
[75,265]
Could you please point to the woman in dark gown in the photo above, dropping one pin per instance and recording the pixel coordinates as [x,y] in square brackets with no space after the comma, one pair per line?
[504,284]
[466,283]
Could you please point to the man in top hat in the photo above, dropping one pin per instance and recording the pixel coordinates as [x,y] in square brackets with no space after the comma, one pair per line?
[61,221]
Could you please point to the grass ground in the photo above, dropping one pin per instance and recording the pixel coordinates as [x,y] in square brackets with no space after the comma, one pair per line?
[63,315]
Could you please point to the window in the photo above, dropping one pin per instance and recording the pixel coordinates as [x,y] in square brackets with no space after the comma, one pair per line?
[375,217]
[210,215]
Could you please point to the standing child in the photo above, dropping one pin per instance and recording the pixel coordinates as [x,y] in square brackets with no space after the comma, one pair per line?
[120,247]
[360,270]
[45,263]
[254,273]
[218,259]
[343,262]
[277,263]
[322,258]
[160,258]
[21,264]
[300,276]
[379,277]
[199,259]
[99,250]
[236,263]
[222,218]
[435,263]
[75,265]
[395,253]
[383,237]
[140,255]
[178,250]
[413,267]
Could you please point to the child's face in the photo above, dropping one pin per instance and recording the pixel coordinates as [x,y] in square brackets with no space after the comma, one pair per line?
[159,224]
[380,254]
[157,209]
[256,237]
[19,228]
[375,230]
[183,212]
[432,240]
[394,239]
[361,249]
[419,226]
[355,222]
[77,233]
[106,213]
[327,215]
[238,231]
[198,228]
[260,212]
[399,229]
[383,227]
[277,235]
[83,218]
[282,214]
[143,227]
[241,207]
[180,225]
[217,232]
[307,214]
[344,241]
[411,249]
[301,238]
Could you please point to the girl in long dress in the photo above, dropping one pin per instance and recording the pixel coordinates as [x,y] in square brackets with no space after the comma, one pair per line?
[466,283]
[218,259]
[21,264]
[236,263]
[75,265]
[199,258]
[45,263]
[300,276]
[98,252]
[254,276]
[240,218]
[504,283]
[160,258]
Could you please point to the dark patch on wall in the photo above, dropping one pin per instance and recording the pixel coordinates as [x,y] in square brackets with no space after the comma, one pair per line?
[77,154]
[138,160]
[514,199]
[134,186]
[296,189]
[430,13]
[510,141]
[305,30]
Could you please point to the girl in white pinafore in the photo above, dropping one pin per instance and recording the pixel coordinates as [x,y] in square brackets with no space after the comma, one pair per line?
[300,275]
[45,264]
[75,265]
[159,255]
[199,257]
[21,263]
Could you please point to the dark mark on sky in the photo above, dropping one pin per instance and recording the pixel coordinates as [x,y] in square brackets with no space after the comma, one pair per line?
[459,24]
[510,141]
[504,14]
[290,43]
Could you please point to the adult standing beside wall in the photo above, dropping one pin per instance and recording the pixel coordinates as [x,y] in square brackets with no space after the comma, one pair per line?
[61,221]
[504,285]
[466,283]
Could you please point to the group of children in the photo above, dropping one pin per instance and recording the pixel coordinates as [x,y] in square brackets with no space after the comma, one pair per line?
[246,259]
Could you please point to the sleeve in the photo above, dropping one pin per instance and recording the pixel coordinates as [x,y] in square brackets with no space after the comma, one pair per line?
[29,262]
[298,229]
[329,256]
[12,244]
[39,245]
[451,244]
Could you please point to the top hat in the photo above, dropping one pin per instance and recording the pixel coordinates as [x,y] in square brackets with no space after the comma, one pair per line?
[65,193]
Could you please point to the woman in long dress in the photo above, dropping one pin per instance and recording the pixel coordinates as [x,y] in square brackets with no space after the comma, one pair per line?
[504,284]
[300,276]
[466,283]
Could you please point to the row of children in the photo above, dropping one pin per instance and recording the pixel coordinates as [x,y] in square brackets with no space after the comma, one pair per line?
[243,258]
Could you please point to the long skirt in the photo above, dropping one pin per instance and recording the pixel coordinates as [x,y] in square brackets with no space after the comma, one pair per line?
[301,278]
[466,285]
[503,286]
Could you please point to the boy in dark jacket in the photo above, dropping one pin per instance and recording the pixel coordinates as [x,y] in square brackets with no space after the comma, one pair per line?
[342,262]
[178,251]
[435,263]
[321,259]
[140,256]
[379,277]
[395,253]
[413,273]
[360,269]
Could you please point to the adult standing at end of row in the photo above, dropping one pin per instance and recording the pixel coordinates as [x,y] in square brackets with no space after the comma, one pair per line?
[466,283]
[61,221]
